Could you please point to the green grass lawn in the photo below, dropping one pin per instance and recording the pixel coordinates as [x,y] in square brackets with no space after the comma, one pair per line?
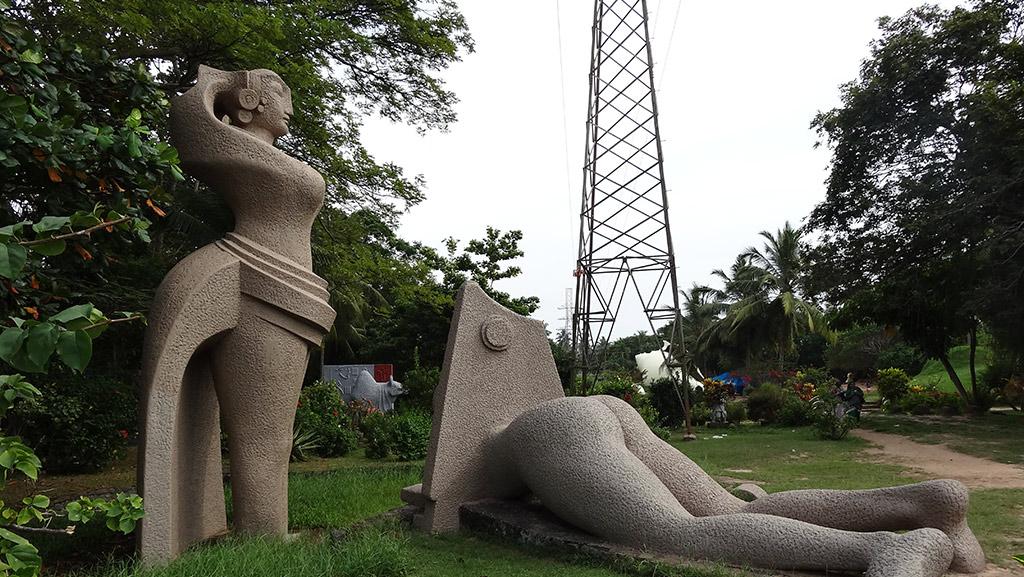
[996,436]
[338,493]
[785,459]
[959,357]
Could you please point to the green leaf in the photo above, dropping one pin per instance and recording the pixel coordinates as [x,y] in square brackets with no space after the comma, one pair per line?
[30,469]
[73,313]
[134,119]
[12,260]
[75,349]
[6,232]
[31,56]
[40,342]
[50,224]
[49,248]
[10,341]
[134,145]
[41,501]
[127,525]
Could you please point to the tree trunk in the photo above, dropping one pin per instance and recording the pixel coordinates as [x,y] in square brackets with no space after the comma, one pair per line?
[944,359]
[972,339]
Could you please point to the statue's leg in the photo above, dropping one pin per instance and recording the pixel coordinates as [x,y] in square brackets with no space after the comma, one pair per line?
[572,453]
[258,371]
[692,487]
[941,504]
[937,504]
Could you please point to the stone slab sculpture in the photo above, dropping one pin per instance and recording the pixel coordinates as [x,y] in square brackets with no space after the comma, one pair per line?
[232,324]
[503,429]
[381,395]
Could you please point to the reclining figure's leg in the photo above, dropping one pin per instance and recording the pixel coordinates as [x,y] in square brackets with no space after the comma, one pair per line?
[573,455]
[938,504]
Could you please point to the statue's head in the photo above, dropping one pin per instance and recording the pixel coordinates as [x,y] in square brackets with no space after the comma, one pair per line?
[256,101]
[394,388]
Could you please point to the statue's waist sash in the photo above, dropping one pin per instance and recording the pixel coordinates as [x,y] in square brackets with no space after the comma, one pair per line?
[283,285]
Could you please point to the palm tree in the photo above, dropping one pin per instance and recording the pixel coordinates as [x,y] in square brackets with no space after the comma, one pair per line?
[773,313]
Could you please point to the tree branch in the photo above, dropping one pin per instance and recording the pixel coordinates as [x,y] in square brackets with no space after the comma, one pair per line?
[78,233]
[69,530]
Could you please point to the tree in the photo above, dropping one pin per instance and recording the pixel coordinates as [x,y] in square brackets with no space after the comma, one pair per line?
[482,262]
[760,309]
[342,60]
[922,226]
[98,169]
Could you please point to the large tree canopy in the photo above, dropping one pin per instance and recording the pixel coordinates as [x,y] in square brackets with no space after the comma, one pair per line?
[923,224]
[341,58]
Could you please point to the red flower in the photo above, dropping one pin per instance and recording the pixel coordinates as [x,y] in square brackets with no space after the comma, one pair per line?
[123,433]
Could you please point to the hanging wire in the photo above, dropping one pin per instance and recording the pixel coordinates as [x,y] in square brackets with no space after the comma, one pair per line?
[671,36]
[565,131]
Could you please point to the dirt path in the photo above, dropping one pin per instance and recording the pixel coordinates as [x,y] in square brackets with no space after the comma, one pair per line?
[939,461]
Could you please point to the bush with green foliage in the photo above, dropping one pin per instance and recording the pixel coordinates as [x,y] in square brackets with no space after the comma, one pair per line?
[893,384]
[700,414]
[926,400]
[663,397]
[410,435]
[406,435]
[764,403]
[321,414]
[419,384]
[900,355]
[829,421]
[795,412]
[736,411]
[375,428]
[83,424]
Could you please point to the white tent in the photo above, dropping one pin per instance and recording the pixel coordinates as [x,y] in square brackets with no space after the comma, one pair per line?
[652,365]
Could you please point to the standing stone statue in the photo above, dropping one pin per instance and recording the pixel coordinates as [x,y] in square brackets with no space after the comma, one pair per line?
[232,324]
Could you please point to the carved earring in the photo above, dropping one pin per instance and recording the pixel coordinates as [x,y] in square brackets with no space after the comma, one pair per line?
[248,100]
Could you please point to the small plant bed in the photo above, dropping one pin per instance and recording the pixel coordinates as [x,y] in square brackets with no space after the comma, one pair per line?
[994,436]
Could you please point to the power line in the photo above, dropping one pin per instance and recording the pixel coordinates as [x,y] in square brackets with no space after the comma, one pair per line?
[565,122]
[671,36]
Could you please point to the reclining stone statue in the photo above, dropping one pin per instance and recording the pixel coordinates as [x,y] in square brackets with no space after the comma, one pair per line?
[232,324]
[503,429]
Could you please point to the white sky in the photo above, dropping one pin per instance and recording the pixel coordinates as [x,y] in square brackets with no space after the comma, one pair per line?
[739,85]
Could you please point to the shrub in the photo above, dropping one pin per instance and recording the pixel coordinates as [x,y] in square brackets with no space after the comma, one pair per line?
[902,356]
[321,413]
[736,411]
[409,435]
[664,400]
[829,421]
[795,412]
[405,435]
[764,403]
[700,414]
[376,435]
[79,424]
[927,400]
[419,384]
[662,433]
[304,443]
[893,384]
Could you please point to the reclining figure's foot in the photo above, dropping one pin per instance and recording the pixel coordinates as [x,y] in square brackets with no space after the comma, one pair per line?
[920,553]
[968,556]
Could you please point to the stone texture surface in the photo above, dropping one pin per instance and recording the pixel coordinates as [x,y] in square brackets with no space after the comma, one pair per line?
[594,463]
[231,325]
[497,365]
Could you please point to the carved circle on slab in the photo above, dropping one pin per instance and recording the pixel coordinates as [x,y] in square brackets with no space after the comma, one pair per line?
[496,332]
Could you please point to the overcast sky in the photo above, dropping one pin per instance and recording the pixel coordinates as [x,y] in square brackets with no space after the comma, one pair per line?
[740,82]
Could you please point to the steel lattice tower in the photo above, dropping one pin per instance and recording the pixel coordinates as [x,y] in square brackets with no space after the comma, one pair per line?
[625,243]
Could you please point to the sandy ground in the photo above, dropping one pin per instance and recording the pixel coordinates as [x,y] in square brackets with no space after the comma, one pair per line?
[941,462]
